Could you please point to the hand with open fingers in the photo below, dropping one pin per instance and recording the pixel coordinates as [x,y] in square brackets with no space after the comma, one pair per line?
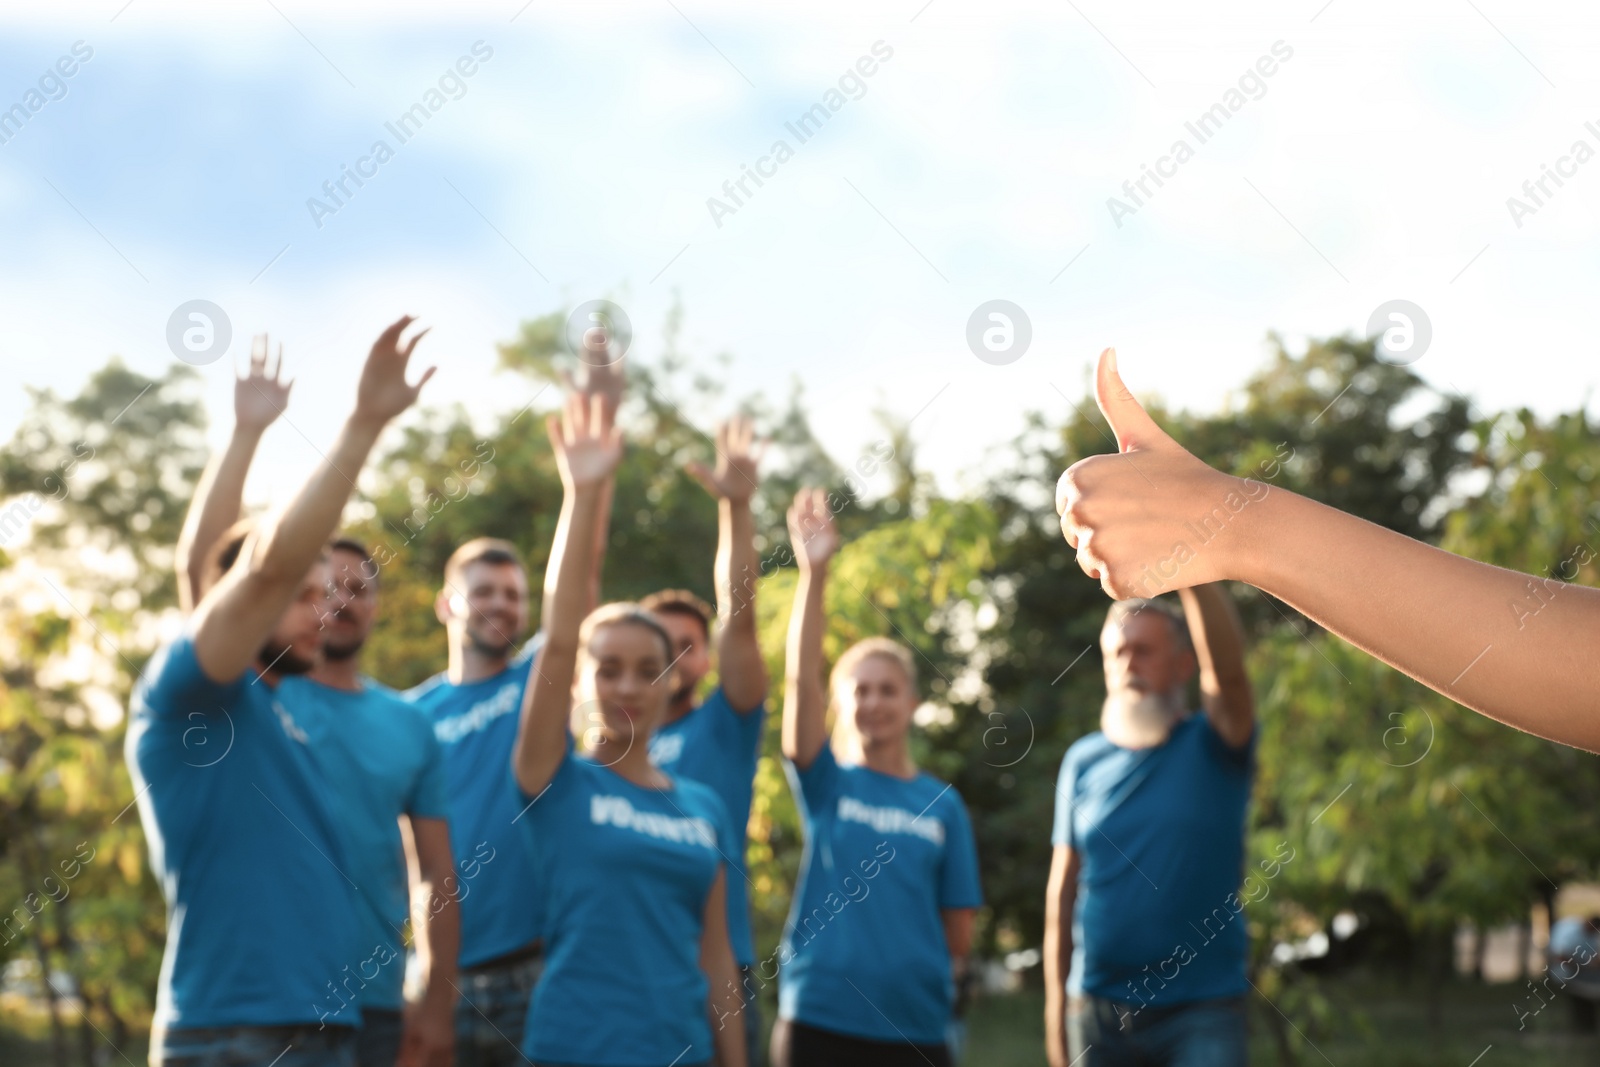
[735,477]
[602,374]
[1132,515]
[811,531]
[586,441]
[384,392]
[259,398]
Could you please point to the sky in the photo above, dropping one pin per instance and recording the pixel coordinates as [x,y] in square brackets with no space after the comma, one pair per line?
[1357,154]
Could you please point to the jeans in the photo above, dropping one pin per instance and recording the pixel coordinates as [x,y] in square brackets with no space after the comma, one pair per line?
[255,1046]
[1203,1033]
[492,1012]
[378,1040]
[752,1018]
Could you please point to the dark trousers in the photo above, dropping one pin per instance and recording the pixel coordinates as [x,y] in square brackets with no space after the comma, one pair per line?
[1203,1033]
[493,1010]
[378,1040]
[798,1045]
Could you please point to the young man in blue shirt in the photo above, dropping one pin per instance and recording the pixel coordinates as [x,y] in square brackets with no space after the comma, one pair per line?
[380,755]
[377,753]
[718,742]
[1145,944]
[241,824]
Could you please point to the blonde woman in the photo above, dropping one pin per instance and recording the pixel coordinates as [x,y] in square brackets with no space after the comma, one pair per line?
[889,883]
[633,862]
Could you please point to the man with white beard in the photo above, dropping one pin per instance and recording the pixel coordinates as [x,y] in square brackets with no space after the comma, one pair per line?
[1145,947]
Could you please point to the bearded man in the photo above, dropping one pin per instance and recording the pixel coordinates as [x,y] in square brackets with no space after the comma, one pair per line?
[1145,944]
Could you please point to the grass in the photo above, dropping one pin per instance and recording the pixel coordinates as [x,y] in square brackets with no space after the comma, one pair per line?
[1368,1023]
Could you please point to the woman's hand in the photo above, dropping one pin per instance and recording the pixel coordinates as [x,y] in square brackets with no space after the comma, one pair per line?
[1152,517]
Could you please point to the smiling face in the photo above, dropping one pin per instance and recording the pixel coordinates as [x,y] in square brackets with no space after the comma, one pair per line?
[876,698]
[624,681]
[487,607]
[691,651]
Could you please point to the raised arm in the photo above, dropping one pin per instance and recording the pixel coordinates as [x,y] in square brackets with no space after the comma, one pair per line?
[805,698]
[603,377]
[588,448]
[1218,639]
[239,612]
[733,483]
[1447,621]
[257,401]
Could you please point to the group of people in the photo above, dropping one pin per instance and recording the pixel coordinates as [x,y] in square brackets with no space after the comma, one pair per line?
[538,856]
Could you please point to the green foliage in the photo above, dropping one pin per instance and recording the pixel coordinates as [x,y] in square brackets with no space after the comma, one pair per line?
[1399,805]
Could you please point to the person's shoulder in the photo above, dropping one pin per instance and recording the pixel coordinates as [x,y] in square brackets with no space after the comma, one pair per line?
[427,692]
[698,796]
[1087,749]
[939,793]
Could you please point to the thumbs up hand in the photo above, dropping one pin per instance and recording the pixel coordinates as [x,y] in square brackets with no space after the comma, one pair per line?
[1151,518]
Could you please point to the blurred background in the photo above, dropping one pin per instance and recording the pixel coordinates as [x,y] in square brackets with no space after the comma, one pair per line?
[898,237]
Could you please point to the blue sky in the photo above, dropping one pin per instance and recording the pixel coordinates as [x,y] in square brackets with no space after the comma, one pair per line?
[1375,165]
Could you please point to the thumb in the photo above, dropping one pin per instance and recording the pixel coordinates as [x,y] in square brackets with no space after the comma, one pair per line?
[1134,428]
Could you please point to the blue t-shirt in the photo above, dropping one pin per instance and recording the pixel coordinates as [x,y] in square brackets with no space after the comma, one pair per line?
[628,872]
[717,746]
[1159,833]
[261,920]
[864,953]
[476,727]
[381,760]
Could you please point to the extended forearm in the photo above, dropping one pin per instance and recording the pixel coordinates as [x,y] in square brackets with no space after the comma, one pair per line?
[804,704]
[1518,649]
[744,672]
[294,537]
[602,530]
[736,566]
[547,702]
[215,507]
[1218,638]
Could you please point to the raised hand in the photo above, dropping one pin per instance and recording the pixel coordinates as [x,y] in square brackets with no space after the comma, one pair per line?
[811,529]
[735,477]
[383,392]
[257,398]
[586,441]
[602,375]
[1152,517]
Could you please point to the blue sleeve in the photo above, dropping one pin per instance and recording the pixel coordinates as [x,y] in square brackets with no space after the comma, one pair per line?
[1238,759]
[429,798]
[818,784]
[174,685]
[1066,782]
[742,729]
[959,886]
